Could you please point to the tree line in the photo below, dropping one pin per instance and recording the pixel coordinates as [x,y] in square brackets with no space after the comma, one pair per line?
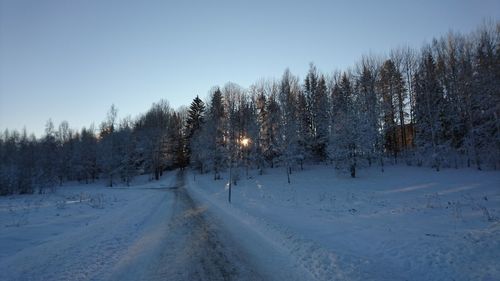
[438,106]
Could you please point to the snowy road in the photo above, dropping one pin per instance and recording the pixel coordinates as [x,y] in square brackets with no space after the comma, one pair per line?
[150,232]
[185,245]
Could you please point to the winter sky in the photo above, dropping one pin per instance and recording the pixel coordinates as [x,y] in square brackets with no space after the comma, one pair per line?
[70,60]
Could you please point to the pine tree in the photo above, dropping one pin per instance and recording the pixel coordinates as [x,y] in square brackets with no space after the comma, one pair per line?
[369,112]
[271,148]
[486,101]
[289,88]
[428,104]
[216,133]
[262,123]
[250,115]
[194,122]
[321,119]
[176,153]
[303,128]
[317,100]
[345,133]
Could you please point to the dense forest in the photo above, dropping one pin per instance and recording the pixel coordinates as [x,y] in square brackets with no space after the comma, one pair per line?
[437,107]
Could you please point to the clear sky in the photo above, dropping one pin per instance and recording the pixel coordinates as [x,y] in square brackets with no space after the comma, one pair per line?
[71,59]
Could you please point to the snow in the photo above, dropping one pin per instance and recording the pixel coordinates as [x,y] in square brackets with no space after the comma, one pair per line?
[149,231]
[79,232]
[407,223]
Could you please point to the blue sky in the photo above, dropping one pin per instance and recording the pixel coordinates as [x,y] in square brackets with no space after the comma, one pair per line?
[70,60]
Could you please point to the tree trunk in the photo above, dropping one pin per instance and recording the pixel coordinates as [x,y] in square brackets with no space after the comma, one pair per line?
[288,174]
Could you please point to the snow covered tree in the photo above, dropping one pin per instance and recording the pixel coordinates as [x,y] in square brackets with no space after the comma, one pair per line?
[486,100]
[249,115]
[214,134]
[232,126]
[288,93]
[344,141]
[265,134]
[303,128]
[127,149]
[441,105]
[272,125]
[176,153]
[316,94]
[453,123]
[152,130]
[428,105]
[262,116]
[369,112]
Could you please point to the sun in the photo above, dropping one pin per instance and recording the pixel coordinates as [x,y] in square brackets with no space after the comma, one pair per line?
[245,142]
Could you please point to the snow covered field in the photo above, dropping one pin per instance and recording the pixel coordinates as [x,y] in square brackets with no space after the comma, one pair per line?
[149,231]
[404,224]
[79,232]
[407,223]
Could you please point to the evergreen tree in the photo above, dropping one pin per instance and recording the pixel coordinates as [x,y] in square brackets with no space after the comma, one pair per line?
[176,152]
[303,128]
[486,101]
[262,116]
[288,99]
[216,138]
[345,133]
[317,100]
[271,145]
[369,112]
[194,122]
[428,105]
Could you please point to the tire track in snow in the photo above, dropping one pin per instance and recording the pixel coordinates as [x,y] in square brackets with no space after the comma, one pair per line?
[188,245]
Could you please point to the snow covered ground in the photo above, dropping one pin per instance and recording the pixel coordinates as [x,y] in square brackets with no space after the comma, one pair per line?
[79,232]
[404,224]
[407,223]
[149,231]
